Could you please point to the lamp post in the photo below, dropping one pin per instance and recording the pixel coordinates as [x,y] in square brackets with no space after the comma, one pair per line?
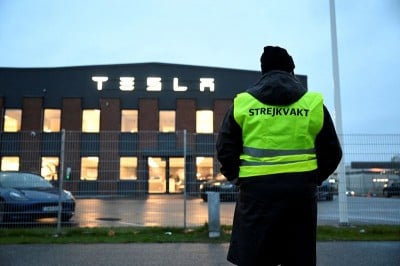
[341,170]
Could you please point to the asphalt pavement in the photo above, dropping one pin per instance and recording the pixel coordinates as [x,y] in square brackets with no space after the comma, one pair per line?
[329,254]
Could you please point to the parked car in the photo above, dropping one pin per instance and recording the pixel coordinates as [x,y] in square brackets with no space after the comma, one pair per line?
[325,191]
[227,190]
[392,190]
[28,196]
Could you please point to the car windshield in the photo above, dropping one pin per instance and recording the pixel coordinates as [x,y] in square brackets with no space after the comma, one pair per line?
[22,180]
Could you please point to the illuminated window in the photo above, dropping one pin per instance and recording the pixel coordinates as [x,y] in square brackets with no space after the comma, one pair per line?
[12,120]
[91,121]
[204,121]
[158,179]
[176,174]
[89,168]
[157,183]
[52,120]
[204,167]
[167,121]
[10,163]
[49,168]
[127,168]
[129,120]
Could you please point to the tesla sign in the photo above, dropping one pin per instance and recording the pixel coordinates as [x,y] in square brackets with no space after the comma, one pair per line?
[154,84]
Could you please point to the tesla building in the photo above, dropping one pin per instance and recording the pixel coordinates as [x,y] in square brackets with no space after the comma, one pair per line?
[117,127]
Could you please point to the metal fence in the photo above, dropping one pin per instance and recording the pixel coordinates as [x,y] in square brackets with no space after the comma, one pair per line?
[155,179]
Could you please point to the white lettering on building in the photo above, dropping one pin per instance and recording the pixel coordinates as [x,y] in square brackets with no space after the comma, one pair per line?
[154,84]
[126,83]
[206,83]
[99,81]
[177,87]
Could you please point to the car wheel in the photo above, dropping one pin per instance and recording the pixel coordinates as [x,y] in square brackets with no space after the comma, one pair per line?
[2,213]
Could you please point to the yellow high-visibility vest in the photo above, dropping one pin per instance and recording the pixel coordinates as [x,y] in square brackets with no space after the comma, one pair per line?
[278,139]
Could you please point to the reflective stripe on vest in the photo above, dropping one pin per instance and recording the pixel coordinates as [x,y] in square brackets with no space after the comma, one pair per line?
[278,139]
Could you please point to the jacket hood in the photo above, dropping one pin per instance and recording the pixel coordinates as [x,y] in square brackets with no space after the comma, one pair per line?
[278,88]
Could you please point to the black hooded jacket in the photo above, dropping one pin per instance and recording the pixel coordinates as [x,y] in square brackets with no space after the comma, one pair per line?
[277,88]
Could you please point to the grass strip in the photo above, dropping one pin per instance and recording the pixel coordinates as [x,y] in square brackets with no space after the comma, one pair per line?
[178,235]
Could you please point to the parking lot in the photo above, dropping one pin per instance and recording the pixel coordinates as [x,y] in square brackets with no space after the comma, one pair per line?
[175,211]
[169,210]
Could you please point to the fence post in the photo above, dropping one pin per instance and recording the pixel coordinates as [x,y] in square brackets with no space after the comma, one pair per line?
[343,212]
[60,182]
[213,214]
[185,175]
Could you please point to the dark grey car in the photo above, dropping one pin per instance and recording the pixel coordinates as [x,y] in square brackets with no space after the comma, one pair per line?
[392,190]
[28,196]
[227,190]
[325,191]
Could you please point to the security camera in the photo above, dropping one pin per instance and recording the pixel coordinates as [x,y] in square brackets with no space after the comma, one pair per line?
[33,134]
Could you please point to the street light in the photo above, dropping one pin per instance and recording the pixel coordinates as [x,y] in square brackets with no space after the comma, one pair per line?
[341,170]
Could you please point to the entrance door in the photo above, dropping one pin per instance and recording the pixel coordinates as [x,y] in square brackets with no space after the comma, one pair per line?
[166,174]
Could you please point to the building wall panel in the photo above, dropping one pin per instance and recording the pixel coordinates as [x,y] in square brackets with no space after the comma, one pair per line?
[71,114]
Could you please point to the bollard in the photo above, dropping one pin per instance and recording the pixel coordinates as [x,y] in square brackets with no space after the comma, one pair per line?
[213,214]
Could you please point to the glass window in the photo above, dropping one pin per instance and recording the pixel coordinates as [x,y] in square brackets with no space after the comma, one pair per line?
[10,163]
[176,174]
[49,168]
[52,120]
[204,121]
[204,167]
[91,121]
[167,121]
[158,181]
[127,168]
[89,168]
[129,120]
[157,167]
[12,120]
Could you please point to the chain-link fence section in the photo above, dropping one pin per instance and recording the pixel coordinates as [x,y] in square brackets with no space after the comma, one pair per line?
[162,179]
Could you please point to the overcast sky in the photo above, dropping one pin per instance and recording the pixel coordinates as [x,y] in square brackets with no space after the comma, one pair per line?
[222,33]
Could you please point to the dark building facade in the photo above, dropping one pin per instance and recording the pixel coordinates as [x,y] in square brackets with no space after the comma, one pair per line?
[124,124]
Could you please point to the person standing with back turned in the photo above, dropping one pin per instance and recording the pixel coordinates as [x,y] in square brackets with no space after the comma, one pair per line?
[277,142]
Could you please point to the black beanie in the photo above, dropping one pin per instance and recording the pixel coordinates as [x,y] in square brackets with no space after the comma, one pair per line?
[276,58]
